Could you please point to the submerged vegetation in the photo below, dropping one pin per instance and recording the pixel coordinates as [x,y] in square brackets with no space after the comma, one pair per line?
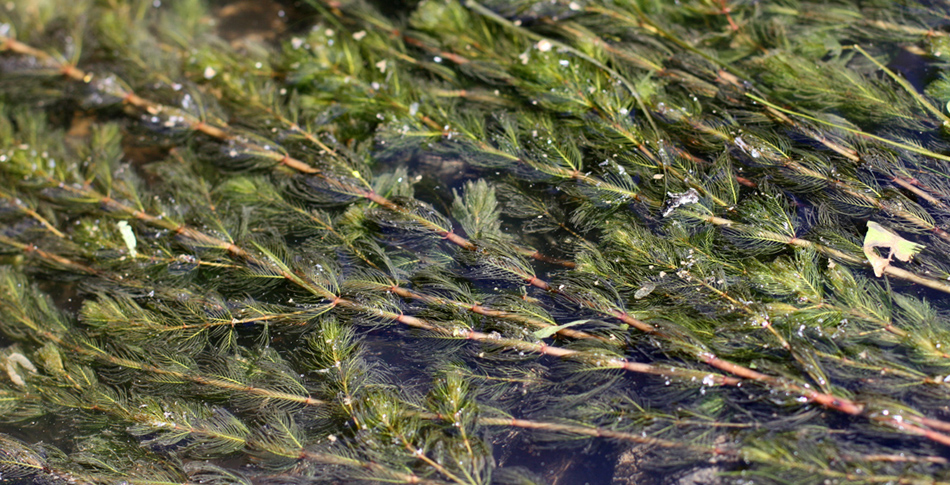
[475,242]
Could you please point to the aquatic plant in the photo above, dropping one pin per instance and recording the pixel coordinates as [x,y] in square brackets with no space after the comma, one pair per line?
[464,242]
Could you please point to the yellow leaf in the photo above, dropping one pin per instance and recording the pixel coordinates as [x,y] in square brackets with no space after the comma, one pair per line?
[879,236]
[128,237]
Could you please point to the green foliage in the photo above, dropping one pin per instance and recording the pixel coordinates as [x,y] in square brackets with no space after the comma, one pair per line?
[418,246]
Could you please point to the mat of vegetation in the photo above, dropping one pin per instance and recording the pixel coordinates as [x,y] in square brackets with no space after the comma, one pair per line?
[474,242]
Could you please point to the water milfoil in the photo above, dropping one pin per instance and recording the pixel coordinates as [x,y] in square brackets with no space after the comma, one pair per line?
[474,242]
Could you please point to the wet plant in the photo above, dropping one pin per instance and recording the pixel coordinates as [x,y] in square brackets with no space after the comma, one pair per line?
[475,242]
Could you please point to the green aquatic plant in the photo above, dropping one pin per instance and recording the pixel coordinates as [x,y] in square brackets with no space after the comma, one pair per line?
[466,242]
